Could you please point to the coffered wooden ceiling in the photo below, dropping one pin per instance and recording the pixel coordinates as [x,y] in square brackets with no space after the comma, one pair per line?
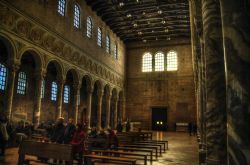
[145,20]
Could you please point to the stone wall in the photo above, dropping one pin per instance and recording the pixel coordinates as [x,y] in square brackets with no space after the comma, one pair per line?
[160,89]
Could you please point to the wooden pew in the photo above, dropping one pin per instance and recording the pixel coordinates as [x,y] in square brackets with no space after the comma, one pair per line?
[160,148]
[163,144]
[150,151]
[143,147]
[109,159]
[113,152]
[157,141]
[45,150]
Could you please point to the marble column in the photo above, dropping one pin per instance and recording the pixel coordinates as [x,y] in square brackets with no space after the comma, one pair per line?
[115,111]
[10,88]
[108,97]
[89,102]
[60,84]
[236,34]
[37,106]
[76,87]
[215,115]
[99,110]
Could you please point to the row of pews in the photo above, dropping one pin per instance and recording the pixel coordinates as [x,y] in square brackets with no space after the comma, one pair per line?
[134,147]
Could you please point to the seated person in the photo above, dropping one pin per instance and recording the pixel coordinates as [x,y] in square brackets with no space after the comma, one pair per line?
[58,132]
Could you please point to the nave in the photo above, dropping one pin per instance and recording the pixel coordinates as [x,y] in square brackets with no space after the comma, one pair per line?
[183,150]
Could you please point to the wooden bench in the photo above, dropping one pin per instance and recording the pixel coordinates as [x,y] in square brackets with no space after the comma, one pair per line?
[157,141]
[45,150]
[113,152]
[150,151]
[160,148]
[144,147]
[109,158]
[163,144]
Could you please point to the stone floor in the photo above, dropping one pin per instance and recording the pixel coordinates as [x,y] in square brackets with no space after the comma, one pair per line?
[183,150]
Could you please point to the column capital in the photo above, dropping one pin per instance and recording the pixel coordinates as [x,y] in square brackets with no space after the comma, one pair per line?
[77,86]
[100,93]
[14,67]
[61,80]
[90,89]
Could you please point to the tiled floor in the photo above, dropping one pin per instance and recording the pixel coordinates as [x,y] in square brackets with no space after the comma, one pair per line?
[183,150]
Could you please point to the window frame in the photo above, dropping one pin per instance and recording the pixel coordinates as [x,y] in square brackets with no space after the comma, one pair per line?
[108,44]
[89,27]
[22,83]
[116,51]
[66,94]
[3,77]
[170,61]
[77,16]
[147,62]
[162,62]
[61,7]
[53,91]
[99,36]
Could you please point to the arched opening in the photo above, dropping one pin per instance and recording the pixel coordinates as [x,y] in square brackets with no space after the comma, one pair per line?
[51,86]
[113,108]
[104,105]
[94,104]
[82,110]
[68,96]
[25,88]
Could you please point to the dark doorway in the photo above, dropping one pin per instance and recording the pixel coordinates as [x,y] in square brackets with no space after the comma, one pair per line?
[159,119]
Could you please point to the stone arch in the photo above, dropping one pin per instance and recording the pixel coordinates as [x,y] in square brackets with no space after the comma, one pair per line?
[75,75]
[59,67]
[8,43]
[39,61]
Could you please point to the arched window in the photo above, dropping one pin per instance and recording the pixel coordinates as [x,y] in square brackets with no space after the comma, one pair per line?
[61,7]
[107,44]
[77,16]
[115,51]
[99,36]
[21,83]
[147,62]
[53,91]
[172,62]
[43,89]
[3,77]
[159,61]
[89,27]
[66,94]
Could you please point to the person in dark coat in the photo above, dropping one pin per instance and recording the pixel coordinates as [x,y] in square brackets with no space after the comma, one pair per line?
[112,139]
[69,131]
[119,127]
[128,127]
[58,132]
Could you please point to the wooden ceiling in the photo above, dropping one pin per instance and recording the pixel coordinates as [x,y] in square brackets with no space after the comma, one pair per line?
[145,20]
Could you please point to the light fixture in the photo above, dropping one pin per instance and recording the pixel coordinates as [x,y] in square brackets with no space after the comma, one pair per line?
[144,41]
[169,38]
[135,25]
[166,30]
[159,11]
[140,33]
[153,31]
[143,13]
[163,22]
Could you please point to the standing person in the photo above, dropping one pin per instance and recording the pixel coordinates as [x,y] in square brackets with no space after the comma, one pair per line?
[190,128]
[3,134]
[78,141]
[119,127]
[128,127]
[69,131]
[58,132]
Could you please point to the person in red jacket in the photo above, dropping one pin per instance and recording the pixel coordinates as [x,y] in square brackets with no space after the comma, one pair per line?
[78,141]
